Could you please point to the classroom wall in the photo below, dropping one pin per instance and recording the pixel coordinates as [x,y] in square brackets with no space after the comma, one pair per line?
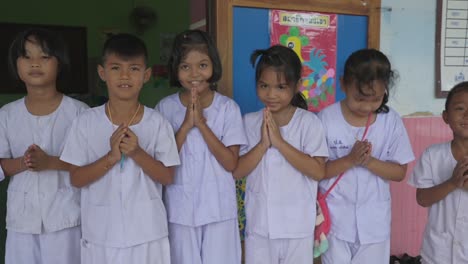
[408,31]
[408,38]
[100,17]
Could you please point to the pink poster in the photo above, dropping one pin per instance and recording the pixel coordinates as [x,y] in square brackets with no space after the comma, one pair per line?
[313,37]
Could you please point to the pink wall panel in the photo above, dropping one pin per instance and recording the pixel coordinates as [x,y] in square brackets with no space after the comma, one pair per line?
[408,218]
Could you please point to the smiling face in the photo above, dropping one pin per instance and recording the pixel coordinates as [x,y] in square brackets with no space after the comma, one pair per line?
[124,76]
[36,68]
[273,90]
[456,114]
[195,71]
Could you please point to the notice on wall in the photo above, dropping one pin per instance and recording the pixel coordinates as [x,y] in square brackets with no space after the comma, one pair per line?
[313,37]
[453,50]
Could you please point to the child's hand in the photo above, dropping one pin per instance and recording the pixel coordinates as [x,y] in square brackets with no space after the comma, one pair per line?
[129,144]
[115,140]
[360,153]
[265,140]
[36,159]
[188,119]
[273,130]
[460,174]
[198,118]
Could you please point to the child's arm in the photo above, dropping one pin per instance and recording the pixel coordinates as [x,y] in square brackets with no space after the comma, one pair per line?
[152,167]
[313,167]
[187,125]
[387,170]
[12,167]
[429,196]
[85,175]
[34,159]
[248,162]
[226,156]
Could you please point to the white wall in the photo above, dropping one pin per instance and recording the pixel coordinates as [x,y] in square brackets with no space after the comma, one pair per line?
[407,36]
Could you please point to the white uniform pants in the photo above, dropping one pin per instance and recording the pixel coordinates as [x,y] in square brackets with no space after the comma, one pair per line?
[342,252]
[262,250]
[154,252]
[213,243]
[49,248]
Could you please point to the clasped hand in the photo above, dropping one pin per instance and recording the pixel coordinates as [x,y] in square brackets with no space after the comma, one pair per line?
[194,114]
[35,159]
[123,141]
[460,174]
[361,153]
[271,135]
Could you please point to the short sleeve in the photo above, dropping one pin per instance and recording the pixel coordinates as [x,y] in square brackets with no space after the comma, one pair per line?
[400,150]
[422,177]
[253,136]
[5,150]
[166,147]
[234,133]
[75,149]
[318,146]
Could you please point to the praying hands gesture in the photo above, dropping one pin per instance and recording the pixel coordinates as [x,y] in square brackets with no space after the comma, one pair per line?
[36,159]
[460,174]
[194,113]
[271,135]
[360,153]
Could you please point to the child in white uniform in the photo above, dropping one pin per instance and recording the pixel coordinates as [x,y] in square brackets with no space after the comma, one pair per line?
[43,209]
[122,152]
[202,205]
[360,205]
[442,181]
[284,159]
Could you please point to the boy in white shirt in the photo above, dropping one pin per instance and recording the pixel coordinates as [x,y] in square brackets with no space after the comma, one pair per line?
[122,154]
[441,178]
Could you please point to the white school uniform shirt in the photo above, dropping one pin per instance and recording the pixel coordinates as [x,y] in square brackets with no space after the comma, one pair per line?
[43,201]
[280,201]
[124,207]
[360,204]
[446,235]
[203,191]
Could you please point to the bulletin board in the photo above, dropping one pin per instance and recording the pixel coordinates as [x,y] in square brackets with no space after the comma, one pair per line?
[241,26]
[451,45]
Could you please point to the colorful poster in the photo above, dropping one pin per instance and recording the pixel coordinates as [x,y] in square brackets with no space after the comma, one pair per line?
[313,37]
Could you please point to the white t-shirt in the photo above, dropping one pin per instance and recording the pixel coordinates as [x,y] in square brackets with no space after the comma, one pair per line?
[280,201]
[203,191]
[124,207]
[360,204]
[44,201]
[446,234]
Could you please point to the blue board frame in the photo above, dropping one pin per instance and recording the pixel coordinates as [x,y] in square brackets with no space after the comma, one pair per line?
[251,31]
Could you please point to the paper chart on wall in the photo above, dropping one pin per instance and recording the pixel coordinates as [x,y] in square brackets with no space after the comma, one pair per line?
[453,43]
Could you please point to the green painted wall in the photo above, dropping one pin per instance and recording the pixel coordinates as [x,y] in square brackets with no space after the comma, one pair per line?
[98,16]
[103,16]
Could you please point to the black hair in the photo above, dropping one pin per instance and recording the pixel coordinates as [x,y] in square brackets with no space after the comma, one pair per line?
[460,87]
[285,61]
[51,44]
[367,65]
[124,45]
[188,41]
